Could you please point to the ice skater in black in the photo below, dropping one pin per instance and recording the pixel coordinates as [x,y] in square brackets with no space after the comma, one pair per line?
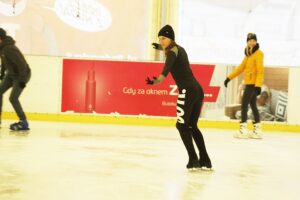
[15,73]
[190,98]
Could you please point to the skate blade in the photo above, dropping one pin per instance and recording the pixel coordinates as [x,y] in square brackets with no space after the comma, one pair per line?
[11,129]
[207,169]
[193,169]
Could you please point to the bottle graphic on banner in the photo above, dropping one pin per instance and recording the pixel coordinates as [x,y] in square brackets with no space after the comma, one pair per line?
[90,91]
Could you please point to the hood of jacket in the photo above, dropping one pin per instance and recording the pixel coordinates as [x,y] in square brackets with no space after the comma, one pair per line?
[7,41]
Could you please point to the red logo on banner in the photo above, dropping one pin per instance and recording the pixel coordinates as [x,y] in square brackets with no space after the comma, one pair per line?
[119,87]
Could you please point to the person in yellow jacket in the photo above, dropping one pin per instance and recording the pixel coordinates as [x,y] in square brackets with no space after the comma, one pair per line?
[253,68]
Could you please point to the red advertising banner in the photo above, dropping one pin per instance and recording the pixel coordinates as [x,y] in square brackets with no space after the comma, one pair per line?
[119,87]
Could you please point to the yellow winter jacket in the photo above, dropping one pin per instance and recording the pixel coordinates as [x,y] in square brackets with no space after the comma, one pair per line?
[253,66]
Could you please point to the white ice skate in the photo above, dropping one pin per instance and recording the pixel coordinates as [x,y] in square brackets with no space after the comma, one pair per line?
[257,132]
[243,132]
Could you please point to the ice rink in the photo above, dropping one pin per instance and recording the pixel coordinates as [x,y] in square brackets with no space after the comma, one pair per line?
[65,161]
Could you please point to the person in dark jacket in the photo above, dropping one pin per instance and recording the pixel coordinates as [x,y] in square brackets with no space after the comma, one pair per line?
[190,97]
[15,74]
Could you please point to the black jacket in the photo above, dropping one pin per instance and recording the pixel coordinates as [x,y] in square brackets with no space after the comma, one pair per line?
[177,63]
[13,63]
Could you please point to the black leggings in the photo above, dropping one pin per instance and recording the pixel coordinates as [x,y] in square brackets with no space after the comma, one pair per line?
[16,91]
[249,97]
[189,104]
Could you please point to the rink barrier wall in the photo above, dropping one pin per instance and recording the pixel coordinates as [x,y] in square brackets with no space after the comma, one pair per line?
[43,97]
[148,121]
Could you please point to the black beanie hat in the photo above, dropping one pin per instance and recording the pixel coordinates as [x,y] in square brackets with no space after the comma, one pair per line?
[167,31]
[251,36]
[2,33]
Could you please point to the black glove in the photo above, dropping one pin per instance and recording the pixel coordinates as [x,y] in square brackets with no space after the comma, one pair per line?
[149,81]
[22,84]
[226,82]
[257,90]
[155,45]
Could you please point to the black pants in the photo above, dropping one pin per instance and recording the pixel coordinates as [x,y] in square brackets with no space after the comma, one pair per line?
[189,104]
[16,91]
[249,97]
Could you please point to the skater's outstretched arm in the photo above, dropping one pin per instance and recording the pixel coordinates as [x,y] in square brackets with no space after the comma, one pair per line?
[157,46]
[155,80]
[170,61]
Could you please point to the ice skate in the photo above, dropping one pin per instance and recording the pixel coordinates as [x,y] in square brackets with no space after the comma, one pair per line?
[193,165]
[22,125]
[205,163]
[257,132]
[243,132]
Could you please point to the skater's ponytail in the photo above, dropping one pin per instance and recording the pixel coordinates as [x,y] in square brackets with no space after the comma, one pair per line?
[173,44]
